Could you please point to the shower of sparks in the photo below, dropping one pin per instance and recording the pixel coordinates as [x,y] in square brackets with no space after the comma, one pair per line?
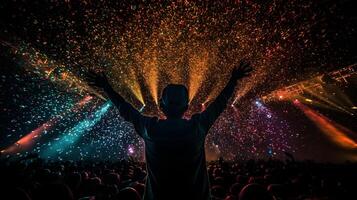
[142,46]
[41,65]
[195,44]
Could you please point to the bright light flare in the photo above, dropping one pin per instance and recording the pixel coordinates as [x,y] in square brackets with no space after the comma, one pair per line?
[203,107]
[28,140]
[308,100]
[328,99]
[334,131]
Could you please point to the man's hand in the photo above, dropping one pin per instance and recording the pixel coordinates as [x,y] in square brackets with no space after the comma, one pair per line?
[242,70]
[97,80]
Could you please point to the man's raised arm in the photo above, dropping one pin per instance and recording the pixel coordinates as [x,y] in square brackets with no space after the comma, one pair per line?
[209,116]
[126,110]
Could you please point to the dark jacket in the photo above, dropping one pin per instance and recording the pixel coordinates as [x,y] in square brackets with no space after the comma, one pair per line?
[175,148]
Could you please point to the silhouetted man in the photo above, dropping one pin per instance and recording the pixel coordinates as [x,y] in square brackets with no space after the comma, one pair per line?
[175,147]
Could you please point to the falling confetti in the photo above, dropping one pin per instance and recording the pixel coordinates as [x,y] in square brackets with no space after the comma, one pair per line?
[142,46]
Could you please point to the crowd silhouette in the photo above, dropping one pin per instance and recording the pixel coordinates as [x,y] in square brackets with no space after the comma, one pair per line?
[37,179]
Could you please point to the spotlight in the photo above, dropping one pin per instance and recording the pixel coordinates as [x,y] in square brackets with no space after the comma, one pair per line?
[142,108]
[281,97]
[308,100]
[334,131]
[296,101]
[131,150]
[203,106]
[258,103]
[354,107]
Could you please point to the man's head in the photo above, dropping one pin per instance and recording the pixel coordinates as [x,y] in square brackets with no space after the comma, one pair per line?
[174,100]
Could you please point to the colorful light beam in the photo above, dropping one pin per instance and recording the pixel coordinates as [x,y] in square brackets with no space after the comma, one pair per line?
[72,135]
[26,142]
[58,73]
[334,131]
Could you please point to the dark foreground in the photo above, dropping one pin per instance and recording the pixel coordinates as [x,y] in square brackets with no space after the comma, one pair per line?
[34,179]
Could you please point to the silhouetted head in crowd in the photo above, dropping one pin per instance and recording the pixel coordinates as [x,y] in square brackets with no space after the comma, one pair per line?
[128,193]
[73,180]
[174,101]
[140,188]
[111,179]
[241,179]
[15,193]
[218,191]
[55,191]
[277,190]
[235,189]
[254,192]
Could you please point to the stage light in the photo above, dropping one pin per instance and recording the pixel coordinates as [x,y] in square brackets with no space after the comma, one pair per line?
[129,81]
[308,100]
[142,108]
[330,101]
[203,107]
[27,141]
[258,103]
[354,107]
[330,94]
[334,131]
[131,150]
[72,135]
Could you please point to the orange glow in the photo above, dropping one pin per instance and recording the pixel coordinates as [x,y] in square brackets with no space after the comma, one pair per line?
[85,100]
[248,84]
[199,64]
[243,90]
[308,100]
[150,66]
[130,80]
[335,132]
